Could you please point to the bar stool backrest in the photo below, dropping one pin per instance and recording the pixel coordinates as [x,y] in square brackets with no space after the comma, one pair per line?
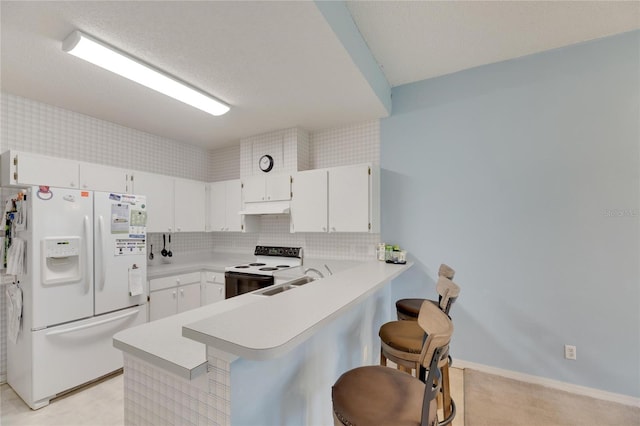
[446,271]
[448,291]
[438,327]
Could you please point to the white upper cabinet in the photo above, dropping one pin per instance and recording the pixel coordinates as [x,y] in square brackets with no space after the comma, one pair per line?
[174,204]
[159,192]
[266,188]
[309,204]
[190,205]
[354,202]
[224,202]
[337,199]
[21,169]
[96,177]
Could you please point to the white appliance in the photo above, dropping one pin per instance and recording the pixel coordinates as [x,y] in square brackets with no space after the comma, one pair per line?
[248,277]
[85,280]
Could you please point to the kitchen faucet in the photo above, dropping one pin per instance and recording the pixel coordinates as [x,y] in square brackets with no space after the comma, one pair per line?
[313,270]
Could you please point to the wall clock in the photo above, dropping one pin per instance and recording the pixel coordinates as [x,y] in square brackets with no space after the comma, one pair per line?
[266,163]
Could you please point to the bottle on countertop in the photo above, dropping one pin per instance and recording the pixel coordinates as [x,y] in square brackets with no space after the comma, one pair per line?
[380,252]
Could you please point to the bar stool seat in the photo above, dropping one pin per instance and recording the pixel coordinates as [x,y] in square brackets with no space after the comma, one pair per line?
[376,395]
[404,336]
[407,309]
[357,402]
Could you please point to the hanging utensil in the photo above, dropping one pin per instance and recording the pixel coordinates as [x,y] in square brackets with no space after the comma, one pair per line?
[169,253]
[151,253]
[164,246]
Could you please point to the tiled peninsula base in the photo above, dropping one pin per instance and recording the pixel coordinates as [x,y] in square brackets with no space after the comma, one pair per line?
[153,396]
[291,389]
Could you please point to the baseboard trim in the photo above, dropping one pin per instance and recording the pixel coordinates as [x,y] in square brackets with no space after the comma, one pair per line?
[555,384]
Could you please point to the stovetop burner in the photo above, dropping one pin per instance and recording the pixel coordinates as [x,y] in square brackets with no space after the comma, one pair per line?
[269,260]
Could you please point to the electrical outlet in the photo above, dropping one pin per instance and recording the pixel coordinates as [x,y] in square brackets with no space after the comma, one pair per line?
[569,352]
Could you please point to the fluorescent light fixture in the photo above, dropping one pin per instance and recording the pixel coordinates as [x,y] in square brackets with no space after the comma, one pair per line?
[102,55]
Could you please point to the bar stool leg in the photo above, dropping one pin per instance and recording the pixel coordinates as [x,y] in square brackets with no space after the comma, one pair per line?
[446,392]
[383,359]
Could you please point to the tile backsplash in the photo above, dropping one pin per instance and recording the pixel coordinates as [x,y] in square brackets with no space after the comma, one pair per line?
[31,126]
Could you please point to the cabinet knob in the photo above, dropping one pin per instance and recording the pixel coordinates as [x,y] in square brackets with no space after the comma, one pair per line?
[174,294]
[182,292]
[178,281]
[72,184]
[268,198]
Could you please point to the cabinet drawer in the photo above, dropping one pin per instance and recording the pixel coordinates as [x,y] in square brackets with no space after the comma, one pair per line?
[214,277]
[173,281]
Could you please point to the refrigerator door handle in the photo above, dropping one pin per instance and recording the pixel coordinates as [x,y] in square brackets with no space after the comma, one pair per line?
[92,324]
[88,253]
[103,251]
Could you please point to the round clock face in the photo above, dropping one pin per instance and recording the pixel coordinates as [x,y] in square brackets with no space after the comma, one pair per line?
[266,163]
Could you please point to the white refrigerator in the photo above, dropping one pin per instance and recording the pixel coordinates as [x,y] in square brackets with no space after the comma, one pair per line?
[85,280]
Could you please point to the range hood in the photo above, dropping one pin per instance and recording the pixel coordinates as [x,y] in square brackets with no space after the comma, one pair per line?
[270,207]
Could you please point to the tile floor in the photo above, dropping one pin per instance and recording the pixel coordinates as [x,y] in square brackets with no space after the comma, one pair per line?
[102,403]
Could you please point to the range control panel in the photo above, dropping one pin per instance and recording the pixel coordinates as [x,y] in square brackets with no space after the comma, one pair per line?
[278,251]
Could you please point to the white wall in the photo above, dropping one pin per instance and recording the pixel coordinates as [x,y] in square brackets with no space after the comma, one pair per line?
[524,176]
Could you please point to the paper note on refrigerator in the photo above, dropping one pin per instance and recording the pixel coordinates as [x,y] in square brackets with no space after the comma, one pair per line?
[135,282]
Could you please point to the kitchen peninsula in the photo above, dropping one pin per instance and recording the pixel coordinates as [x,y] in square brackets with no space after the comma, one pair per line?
[257,359]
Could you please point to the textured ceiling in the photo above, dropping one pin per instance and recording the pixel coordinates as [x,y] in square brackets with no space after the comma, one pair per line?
[416,40]
[278,64]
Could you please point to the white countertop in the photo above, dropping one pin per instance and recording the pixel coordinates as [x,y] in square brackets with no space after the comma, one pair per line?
[235,325]
[278,323]
[161,267]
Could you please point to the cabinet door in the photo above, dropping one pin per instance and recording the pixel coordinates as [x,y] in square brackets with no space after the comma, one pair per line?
[163,303]
[309,205]
[190,205]
[213,292]
[159,192]
[103,178]
[233,220]
[349,199]
[253,189]
[33,169]
[217,201]
[278,188]
[188,297]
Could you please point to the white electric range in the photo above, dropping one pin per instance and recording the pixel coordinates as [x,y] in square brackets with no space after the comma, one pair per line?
[255,275]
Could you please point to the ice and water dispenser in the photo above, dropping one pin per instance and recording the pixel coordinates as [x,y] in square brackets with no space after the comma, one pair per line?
[61,261]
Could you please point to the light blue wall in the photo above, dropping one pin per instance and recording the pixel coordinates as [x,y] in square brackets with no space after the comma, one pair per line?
[524,177]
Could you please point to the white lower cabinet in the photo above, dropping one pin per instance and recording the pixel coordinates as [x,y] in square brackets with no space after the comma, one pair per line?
[173,294]
[212,287]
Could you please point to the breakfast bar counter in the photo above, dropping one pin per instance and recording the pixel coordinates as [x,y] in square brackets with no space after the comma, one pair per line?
[258,359]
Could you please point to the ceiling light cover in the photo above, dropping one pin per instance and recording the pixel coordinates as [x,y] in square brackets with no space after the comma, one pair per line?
[102,55]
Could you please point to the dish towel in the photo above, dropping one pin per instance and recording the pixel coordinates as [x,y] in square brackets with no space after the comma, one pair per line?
[14,311]
[135,282]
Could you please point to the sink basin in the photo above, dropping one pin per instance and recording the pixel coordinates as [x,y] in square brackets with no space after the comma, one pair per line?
[270,291]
